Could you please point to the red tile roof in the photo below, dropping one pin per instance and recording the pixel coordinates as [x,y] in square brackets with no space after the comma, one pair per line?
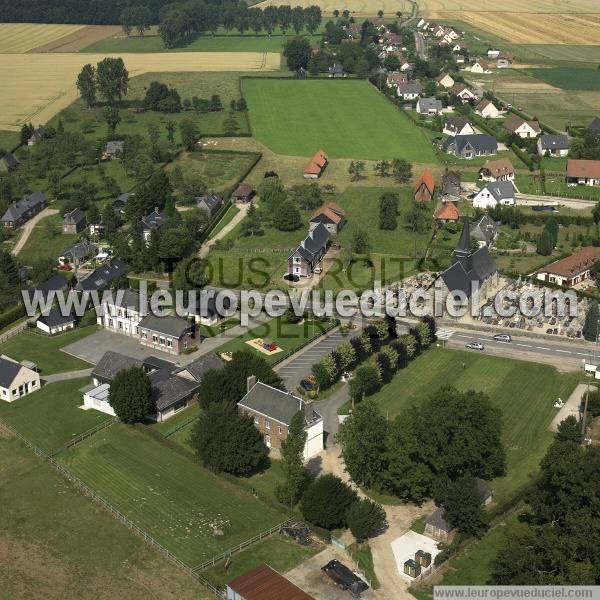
[264,583]
[447,212]
[317,164]
[584,169]
[427,179]
[573,265]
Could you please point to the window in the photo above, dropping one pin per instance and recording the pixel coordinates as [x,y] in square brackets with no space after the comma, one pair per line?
[280,432]
[169,343]
[155,338]
[162,340]
[268,441]
[137,330]
[267,424]
[256,421]
[144,335]
[33,383]
[111,323]
[297,259]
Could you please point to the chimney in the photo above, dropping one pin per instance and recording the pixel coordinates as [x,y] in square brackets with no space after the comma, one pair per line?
[250,382]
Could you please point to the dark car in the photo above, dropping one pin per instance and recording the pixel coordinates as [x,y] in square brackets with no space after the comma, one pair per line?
[344,578]
[307,385]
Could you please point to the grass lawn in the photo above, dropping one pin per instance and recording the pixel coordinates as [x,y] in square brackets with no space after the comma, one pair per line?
[169,427]
[63,545]
[45,350]
[183,506]
[51,416]
[556,186]
[94,175]
[347,119]
[9,139]
[288,336]
[225,219]
[46,240]
[568,78]
[524,391]
[266,481]
[281,553]
[362,554]
[208,331]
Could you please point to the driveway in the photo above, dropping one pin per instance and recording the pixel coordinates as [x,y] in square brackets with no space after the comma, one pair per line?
[28,228]
[238,218]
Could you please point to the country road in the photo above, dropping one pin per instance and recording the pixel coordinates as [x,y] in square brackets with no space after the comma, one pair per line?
[243,209]
[28,228]
[536,200]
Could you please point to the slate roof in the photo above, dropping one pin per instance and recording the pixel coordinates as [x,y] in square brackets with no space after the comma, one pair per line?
[169,325]
[37,135]
[337,69]
[9,369]
[113,362]
[554,142]
[264,583]
[595,125]
[451,184]
[436,519]
[16,210]
[273,403]
[427,104]
[169,389]
[456,123]
[79,251]
[199,367]
[126,299]
[209,202]
[121,199]
[479,142]
[55,318]
[313,243]
[101,277]
[154,220]
[501,190]
[10,160]
[74,217]
[57,282]
[114,147]
[485,229]
[410,87]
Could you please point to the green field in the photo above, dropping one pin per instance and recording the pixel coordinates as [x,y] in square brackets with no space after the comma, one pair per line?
[524,391]
[95,175]
[560,52]
[45,350]
[346,119]
[56,543]
[567,78]
[47,240]
[180,504]
[287,336]
[51,417]
[9,139]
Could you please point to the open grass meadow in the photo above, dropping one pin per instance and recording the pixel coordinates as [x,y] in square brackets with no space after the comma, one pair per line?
[46,240]
[45,350]
[346,119]
[63,545]
[187,509]
[524,391]
[9,139]
[51,416]
[567,78]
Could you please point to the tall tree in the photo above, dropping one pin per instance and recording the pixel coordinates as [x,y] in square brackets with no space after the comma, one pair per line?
[326,502]
[112,118]
[366,519]
[463,506]
[130,395]
[86,84]
[590,325]
[296,479]
[297,52]
[112,79]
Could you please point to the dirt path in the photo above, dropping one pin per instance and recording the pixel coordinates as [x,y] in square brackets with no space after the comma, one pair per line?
[28,228]
[243,209]
[67,375]
[571,406]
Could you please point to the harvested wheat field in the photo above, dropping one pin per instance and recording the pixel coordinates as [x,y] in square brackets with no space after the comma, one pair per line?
[43,84]
[432,8]
[365,8]
[21,37]
[80,39]
[526,28]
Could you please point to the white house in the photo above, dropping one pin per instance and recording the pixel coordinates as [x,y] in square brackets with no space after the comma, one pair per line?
[97,399]
[480,66]
[429,106]
[16,380]
[495,193]
[487,109]
[410,90]
[445,80]
[463,92]
[524,129]
[55,322]
[122,312]
[555,146]
[458,126]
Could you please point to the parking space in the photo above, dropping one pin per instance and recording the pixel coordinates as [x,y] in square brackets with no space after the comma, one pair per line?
[298,368]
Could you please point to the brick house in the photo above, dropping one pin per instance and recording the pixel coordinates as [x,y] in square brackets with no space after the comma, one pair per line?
[272,411]
[74,221]
[314,169]
[169,334]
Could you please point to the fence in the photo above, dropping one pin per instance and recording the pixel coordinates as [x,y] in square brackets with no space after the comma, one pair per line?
[85,435]
[15,331]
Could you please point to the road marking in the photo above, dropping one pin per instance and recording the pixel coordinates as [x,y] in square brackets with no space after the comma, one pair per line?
[542,348]
[524,345]
[564,351]
[444,334]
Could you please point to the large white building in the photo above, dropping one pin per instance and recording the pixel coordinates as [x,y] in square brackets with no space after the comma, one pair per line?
[494,194]
[122,312]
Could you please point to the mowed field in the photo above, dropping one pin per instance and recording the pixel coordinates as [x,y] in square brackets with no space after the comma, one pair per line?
[21,37]
[346,119]
[430,7]
[564,52]
[525,392]
[356,7]
[187,509]
[43,84]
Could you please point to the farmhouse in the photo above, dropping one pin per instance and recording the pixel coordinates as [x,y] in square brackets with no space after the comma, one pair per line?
[470,268]
[210,204]
[493,53]
[424,187]
[429,106]
[331,216]
[21,211]
[243,193]
[337,71]
[8,162]
[103,276]
[314,169]
[77,254]
[458,126]
[395,78]
[447,213]
[169,334]
[487,110]
[55,322]
[524,129]
[451,187]
[495,193]
[264,583]
[152,222]
[583,172]
[497,170]
[410,90]
[16,380]
[272,411]
[468,147]
[37,136]
[74,221]
[113,149]
[571,270]
[555,146]
[309,253]
[445,80]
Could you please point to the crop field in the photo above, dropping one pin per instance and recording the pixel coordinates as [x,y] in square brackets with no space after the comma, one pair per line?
[356,7]
[563,52]
[569,79]
[43,84]
[527,28]
[51,416]
[187,509]
[76,41]
[22,37]
[347,119]
[432,7]
[524,391]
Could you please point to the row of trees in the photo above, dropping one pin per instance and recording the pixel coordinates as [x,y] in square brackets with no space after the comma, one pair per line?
[109,79]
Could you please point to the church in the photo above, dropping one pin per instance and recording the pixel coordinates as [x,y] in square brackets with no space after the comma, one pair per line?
[470,267]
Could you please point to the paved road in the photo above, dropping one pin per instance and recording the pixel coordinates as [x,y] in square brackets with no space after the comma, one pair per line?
[534,200]
[28,228]
[420,46]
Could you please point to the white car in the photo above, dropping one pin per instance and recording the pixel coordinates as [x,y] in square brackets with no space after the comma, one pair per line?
[475,346]
[503,337]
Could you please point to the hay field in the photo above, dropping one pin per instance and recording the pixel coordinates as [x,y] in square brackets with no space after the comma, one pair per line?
[366,8]
[21,37]
[432,8]
[80,39]
[44,84]
[525,28]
